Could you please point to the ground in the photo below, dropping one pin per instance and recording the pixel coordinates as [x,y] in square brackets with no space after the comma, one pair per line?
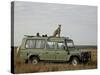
[21,67]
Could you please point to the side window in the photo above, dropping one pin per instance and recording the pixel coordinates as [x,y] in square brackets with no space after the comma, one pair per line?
[30,44]
[60,45]
[51,45]
[35,43]
[69,44]
[40,44]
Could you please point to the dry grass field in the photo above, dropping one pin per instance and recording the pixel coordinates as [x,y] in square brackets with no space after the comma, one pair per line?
[21,67]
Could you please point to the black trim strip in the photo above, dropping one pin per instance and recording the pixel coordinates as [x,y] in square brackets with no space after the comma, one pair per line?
[12,37]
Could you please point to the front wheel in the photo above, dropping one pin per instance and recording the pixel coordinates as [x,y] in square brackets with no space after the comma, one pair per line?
[74,61]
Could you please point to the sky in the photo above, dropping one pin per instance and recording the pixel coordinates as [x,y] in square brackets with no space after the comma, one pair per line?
[78,22]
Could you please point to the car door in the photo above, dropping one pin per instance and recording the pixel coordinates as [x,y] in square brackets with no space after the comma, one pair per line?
[49,52]
[61,53]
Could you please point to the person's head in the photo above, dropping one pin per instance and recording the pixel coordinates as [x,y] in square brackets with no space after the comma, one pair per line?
[59,25]
[37,34]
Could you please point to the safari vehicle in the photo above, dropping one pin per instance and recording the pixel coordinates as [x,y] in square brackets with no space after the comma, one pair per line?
[58,49]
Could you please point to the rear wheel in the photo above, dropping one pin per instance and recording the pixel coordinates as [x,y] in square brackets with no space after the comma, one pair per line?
[34,60]
[74,61]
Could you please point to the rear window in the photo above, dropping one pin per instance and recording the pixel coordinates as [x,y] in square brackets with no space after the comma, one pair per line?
[40,44]
[35,43]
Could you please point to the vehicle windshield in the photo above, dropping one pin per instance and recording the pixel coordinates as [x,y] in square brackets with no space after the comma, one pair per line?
[70,44]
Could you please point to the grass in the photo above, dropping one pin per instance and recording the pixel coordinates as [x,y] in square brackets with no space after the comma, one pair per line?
[21,67]
[29,68]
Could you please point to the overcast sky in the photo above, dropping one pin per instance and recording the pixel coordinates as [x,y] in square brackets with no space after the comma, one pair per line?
[78,22]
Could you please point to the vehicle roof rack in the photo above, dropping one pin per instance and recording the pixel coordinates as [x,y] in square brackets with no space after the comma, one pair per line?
[28,35]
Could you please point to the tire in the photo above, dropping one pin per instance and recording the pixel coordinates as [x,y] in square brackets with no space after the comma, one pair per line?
[34,60]
[26,61]
[74,61]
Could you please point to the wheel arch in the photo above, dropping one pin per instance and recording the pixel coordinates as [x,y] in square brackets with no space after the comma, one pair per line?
[77,56]
[31,56]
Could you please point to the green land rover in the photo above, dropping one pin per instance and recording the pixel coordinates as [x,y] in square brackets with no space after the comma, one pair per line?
[57,49]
